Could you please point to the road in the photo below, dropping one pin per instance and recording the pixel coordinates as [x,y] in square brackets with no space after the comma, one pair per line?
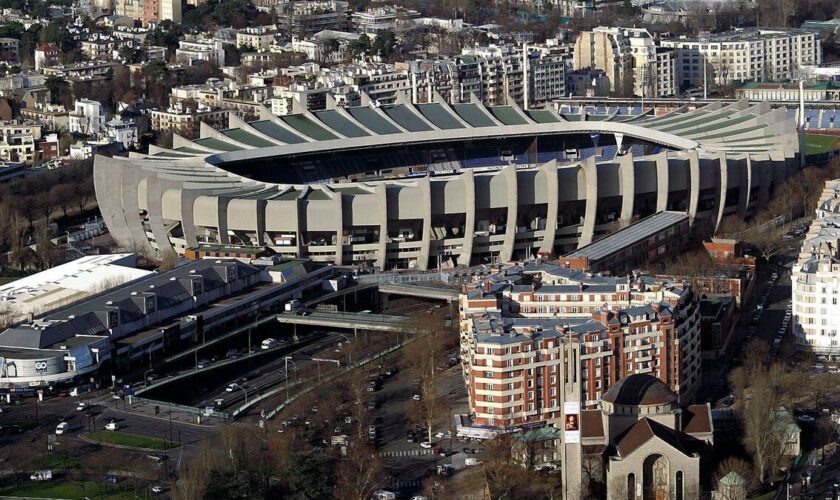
[267,375]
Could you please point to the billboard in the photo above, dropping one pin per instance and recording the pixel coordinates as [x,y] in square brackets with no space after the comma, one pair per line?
[571,422]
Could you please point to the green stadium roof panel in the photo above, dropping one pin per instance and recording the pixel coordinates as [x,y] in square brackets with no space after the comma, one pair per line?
[405,118]
[508,115]
[472,114]
[543,116]
[275,131]
[340,124]
[438,115]
[244,137]
[217,144]
[307,127]
[185,149]
[372,121]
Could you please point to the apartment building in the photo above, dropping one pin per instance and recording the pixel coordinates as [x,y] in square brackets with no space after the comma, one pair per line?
[187,121]
[87,117]
[17,141]
[194,50]
[816,279]
[9,51]
[631,60]
[374,21]
[528,329]
[257,38]
[308,16]
[754,54]
[130,8]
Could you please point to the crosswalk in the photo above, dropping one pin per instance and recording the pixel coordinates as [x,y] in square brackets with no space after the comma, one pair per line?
[405,453]
[397,485]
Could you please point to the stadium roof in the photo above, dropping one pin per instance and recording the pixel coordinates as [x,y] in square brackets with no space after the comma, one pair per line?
[629,236]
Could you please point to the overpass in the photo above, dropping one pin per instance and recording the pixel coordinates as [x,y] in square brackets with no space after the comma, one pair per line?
[420,291]
[350,320]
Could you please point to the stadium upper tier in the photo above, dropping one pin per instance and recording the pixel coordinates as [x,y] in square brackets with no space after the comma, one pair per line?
[408,185]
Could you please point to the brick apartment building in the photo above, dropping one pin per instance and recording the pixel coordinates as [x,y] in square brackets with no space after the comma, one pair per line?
[527,331]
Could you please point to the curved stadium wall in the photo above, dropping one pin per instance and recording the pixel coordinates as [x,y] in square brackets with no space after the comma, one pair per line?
[407,185]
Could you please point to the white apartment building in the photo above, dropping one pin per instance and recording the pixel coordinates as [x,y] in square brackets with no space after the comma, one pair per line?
[170,10]
[258,38]
[17,141]
[123,132]
[87,117]
[195,50]
[374,21]
[816,279]
[756,54]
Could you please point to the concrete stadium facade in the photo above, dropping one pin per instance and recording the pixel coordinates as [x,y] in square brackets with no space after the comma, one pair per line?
[413,185]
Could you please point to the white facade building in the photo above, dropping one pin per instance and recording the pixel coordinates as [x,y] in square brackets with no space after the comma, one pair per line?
[87,118]
[816,279]
[123,131]
[193,51]
[756,54]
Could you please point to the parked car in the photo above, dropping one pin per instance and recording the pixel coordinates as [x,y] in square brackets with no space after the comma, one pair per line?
[471,461]
[61,428]
[41,475]
[427,445]
[111,426]
[202,363]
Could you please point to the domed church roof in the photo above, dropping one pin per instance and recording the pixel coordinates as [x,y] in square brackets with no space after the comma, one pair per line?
[640,390]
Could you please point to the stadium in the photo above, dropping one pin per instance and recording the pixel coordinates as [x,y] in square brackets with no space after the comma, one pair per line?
[421,185]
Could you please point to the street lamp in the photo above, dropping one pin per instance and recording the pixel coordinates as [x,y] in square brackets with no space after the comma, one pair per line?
[256,320]
[237,386]
[286,371]
[146,377]
[350,350]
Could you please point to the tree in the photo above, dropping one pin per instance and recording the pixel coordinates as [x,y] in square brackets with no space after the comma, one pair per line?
[168,261]
[307,476]
[129,54]
[360,473]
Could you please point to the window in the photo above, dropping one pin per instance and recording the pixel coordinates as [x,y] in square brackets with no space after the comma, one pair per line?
[678,486]
[631,486]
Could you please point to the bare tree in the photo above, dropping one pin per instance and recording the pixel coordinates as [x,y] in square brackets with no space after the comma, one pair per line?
[360,473]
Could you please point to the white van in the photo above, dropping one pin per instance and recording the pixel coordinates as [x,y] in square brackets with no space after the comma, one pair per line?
[61,428]
[269,344]
[111,426]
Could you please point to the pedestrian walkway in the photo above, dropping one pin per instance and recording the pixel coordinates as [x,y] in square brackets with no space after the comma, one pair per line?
[405,453]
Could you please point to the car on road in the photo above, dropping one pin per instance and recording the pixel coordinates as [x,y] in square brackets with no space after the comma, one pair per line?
[157,489]
[416,397]
[410,437]
[806,418]
[371,404]
[41,475]
[232,387]
[269,344]
[111,426]
[427,445]
[61,428]
[232,354]
[81,406]
[470,461]
[202,364]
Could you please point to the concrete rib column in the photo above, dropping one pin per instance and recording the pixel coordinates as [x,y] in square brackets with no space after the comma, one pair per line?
[382,201]
[260,207]
[662,181]
[188,197]
[106,173]
[746,178]
[131,179]
[221,211]
[425,186]
[765,177]
[468,178]
[154,200]
[506,255]
[339,231]
[627,177]
[552,189]
[722,187]
[694,193]
[300,226]
[590,173]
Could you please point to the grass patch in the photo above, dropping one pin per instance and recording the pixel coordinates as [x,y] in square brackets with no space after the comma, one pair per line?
[819,144]
[74,490]
[59,461]
[132,440]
